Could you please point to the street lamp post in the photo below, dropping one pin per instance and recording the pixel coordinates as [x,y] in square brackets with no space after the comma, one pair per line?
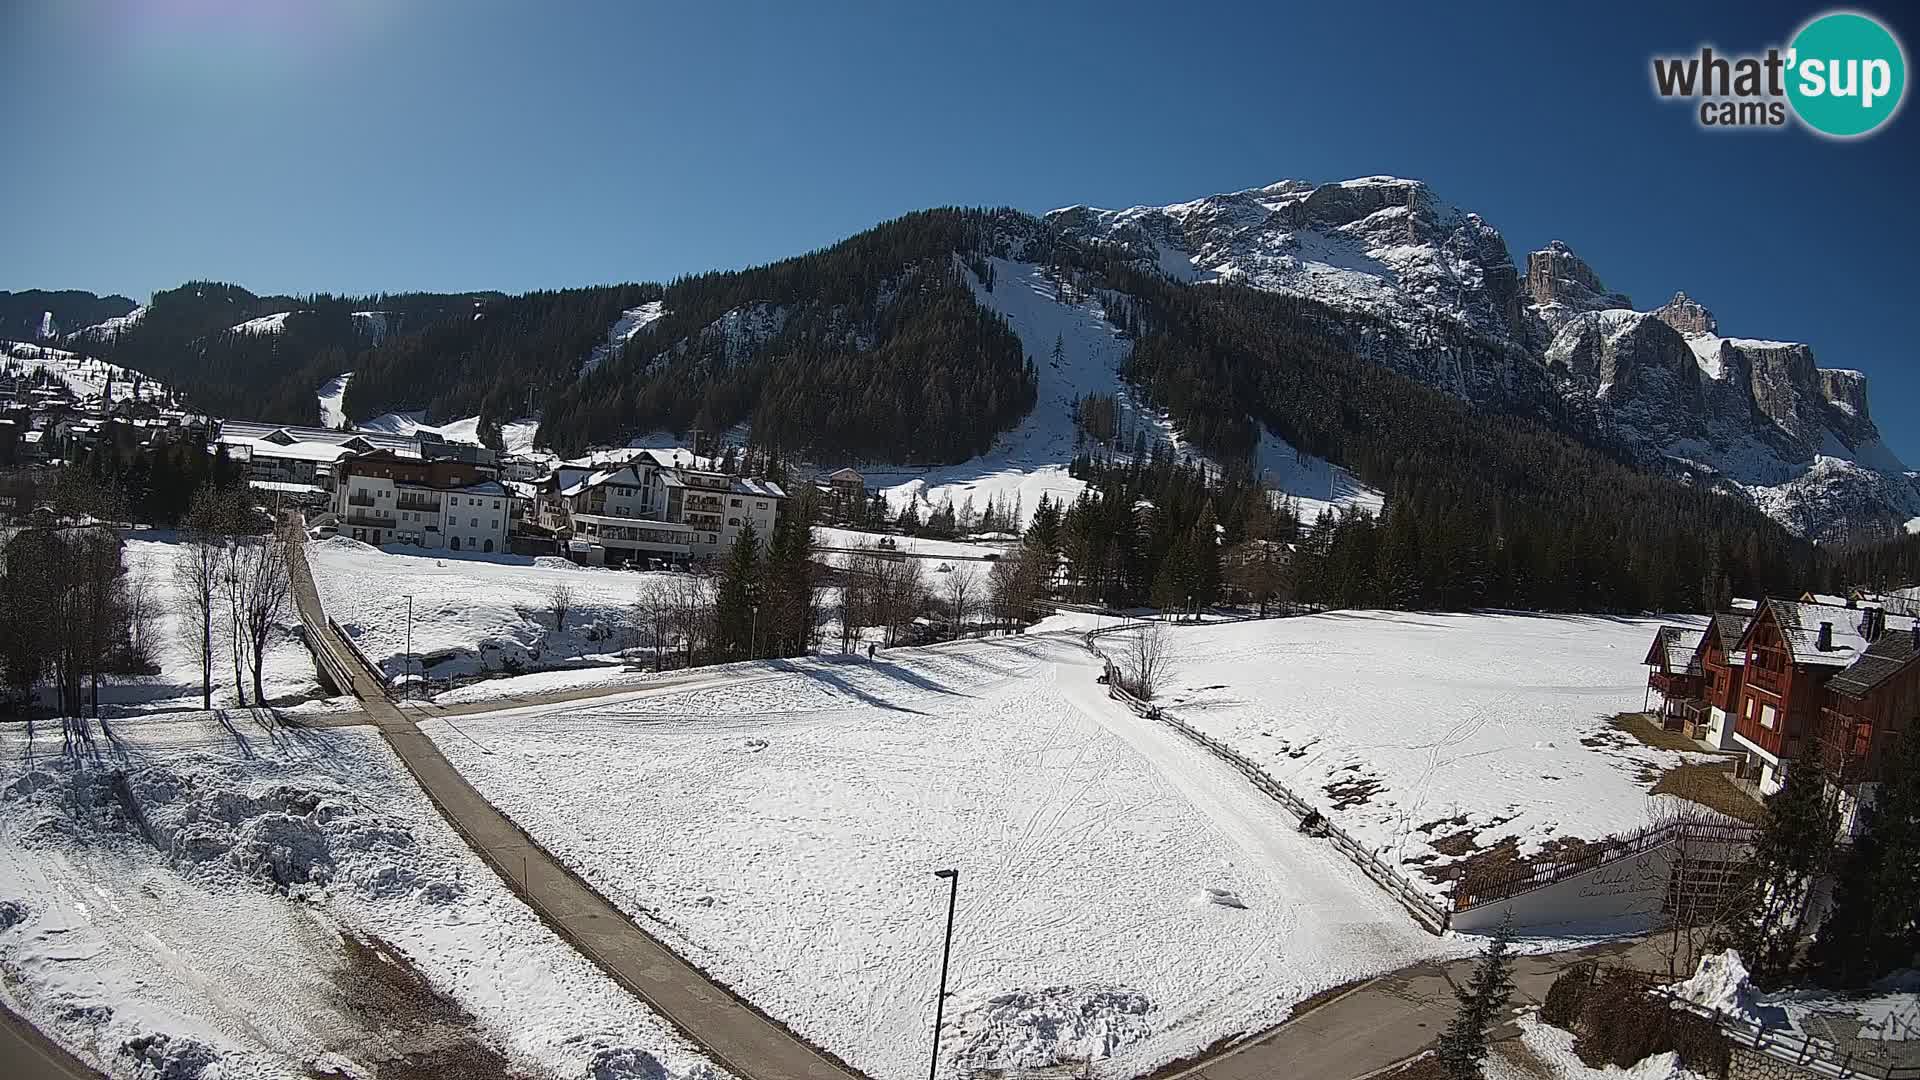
[946,953]
[409,597]
[753,636]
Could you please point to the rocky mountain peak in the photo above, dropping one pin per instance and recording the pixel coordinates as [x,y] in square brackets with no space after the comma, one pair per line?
[1685,314]
[1562,285]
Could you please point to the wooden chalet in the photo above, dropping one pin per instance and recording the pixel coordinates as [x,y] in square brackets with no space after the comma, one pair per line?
[1870,704]
[1698,675]
[1792,649]
[1674,672]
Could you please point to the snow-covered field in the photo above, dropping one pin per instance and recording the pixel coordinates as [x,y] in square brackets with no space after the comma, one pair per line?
[187,899]
[1121,893]
[919,546]
[288,676]
[1414,729]
[472,612]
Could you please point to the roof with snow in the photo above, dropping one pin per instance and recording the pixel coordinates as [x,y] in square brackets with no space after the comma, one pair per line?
[1728,628]
[1800,626]
[1676,649]
[1890,654]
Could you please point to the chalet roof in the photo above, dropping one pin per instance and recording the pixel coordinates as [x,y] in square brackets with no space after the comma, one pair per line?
[758,488]
[1679,647]
[1890,653]
[1729,627]
[1800,627]
[846,474]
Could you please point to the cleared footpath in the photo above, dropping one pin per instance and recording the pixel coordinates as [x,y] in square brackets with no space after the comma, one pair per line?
[738,1037]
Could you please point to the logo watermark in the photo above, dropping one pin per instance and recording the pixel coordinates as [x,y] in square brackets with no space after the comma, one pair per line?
[1843,75]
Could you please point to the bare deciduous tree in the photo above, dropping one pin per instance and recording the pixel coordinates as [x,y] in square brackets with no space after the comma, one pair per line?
[1014,583]
[690,601]
[196,575]
[559,602]
[963,596]
[266,588]
[1147,659]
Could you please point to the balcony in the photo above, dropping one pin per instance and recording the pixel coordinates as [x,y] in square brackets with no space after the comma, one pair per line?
[431,506]
[360,500]
[369,521]
[711,503]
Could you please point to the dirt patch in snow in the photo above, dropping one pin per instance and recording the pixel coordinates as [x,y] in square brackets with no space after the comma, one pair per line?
[1353,791]
[417,1032]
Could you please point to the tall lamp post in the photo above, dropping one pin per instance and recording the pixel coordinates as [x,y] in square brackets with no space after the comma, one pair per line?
[946,953]
[753,636]
[409,597]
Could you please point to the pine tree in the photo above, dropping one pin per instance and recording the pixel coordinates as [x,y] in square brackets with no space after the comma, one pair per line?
[1875,919]
[737,594]
[1204,549]
[1463,1046]
[1796,839]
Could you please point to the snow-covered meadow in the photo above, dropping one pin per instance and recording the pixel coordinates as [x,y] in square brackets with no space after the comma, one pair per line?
[472,613]
[1429,736]
[1121,893]
[200,896]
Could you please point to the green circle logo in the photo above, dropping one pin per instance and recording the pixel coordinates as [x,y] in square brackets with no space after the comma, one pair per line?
[1846,75]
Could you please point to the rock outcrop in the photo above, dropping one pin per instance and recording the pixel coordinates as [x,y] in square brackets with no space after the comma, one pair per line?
[1685,314]
[1561,285]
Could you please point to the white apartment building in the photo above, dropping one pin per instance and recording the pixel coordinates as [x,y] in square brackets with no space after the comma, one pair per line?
[384,498]
[651,505]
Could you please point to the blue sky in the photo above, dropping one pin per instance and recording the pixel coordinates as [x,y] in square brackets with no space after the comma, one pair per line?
[367,145]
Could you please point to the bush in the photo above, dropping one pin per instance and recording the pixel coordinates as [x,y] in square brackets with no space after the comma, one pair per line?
[1568,995]
[1620,1025]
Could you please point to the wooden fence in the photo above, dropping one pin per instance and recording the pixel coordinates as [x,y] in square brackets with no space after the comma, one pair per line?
[1429,913]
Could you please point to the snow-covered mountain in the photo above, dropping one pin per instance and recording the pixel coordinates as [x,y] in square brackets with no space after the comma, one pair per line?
[1761,418]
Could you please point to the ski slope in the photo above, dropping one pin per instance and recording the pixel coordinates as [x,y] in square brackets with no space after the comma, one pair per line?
[1122,894]
[1032,459]
[331,394]
[265,914]
[631,322]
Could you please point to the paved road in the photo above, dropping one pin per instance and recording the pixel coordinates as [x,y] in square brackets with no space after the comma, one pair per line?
[29,1055]
[742,1040]
[1388,1020]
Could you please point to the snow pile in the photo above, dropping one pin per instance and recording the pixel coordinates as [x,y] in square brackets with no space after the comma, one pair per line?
[1721,985]
[1475,728]
[472,613]
[794,814]
[1545,1052]
[368,932]
[1055,1025]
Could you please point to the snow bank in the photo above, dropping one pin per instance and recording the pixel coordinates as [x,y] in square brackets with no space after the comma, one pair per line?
[1545,1052]
[331,394]
[208,896]
[794,815]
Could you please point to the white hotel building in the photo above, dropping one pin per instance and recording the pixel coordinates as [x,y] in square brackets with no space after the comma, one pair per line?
[386,498]
[651,505]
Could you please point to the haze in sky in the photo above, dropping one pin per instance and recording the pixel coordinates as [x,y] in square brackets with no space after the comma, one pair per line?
[368,145]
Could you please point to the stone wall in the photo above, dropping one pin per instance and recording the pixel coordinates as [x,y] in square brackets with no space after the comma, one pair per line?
[1750,1064]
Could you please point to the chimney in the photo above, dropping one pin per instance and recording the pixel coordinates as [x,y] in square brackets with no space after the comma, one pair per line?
[1825,641]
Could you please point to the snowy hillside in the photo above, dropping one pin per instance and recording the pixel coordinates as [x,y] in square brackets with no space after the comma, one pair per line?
[631,322]
[331,394]
[88,377]
[112,328]
[1032,459]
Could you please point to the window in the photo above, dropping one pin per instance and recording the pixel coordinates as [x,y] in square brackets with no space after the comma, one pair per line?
[496,504]
[733,502]
[733,523]
[760,506]
[1769,717]
[473,523]
[494,525]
